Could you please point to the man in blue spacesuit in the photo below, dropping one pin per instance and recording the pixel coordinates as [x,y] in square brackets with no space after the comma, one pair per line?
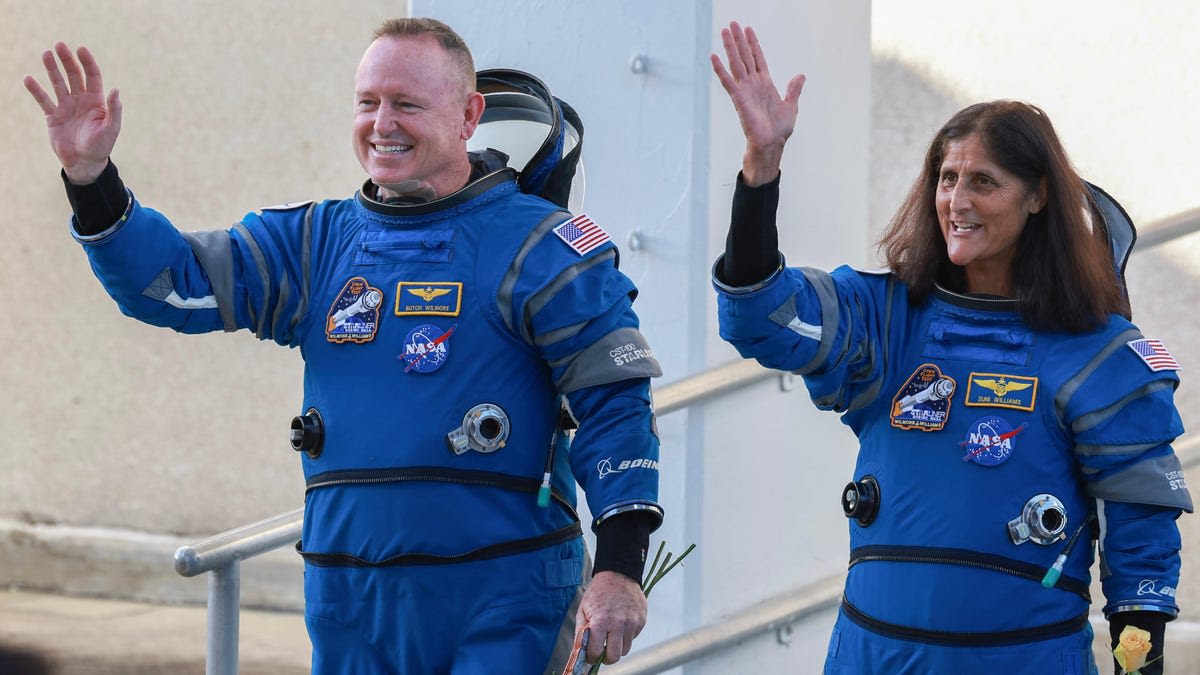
[454,329]
[1007,411]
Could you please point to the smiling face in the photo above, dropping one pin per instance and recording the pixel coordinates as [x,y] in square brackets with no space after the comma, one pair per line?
[982,210]
[414,112]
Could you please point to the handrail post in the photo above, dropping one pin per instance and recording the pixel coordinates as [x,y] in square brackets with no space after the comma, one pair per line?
[223,605]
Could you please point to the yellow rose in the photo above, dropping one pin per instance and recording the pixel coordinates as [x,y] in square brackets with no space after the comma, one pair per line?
[1132,648]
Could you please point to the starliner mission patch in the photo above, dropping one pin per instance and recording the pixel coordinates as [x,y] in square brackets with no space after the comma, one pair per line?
[924,400]
[354,315]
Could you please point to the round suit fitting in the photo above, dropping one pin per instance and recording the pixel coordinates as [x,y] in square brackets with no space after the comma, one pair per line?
[484,428]
[308,433]
[860,500]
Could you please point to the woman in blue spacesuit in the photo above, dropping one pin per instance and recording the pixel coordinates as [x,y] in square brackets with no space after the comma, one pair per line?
[1008,412]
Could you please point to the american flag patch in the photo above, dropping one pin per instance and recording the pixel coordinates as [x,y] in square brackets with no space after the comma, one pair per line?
[581,234]
[1154,354]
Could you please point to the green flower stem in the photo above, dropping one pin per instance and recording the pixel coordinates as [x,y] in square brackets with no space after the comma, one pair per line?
[653,576]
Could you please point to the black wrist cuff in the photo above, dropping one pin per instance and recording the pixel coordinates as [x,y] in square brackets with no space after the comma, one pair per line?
[97,206]
[752,246]
[621,543]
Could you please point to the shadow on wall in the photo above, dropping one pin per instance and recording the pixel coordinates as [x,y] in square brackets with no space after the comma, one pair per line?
[23,661]
[907,109]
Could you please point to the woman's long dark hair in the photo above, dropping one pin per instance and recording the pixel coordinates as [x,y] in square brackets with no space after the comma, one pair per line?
[1063,273]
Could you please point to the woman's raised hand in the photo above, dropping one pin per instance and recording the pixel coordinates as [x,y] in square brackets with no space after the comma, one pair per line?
[767,119]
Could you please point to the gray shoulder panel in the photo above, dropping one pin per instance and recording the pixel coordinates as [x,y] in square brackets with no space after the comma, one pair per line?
[1157,481]
[621,355]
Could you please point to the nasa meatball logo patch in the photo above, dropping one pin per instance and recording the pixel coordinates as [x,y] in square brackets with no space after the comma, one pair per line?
[924,400]
[426,348]
[354,315]
[990,441]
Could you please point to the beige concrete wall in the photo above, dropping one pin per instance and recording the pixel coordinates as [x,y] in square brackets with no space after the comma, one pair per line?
[229,106]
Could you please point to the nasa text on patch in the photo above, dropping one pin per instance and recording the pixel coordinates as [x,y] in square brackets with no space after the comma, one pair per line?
[990,441]
[426,348]
[997,390]
[432,298]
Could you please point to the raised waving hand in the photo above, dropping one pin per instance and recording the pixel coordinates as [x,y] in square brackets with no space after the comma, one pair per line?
[82,122]
[767,119]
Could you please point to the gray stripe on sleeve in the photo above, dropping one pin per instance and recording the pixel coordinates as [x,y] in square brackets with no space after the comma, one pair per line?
[504,294]
[305,269]
[1106,450]
[559,334]
[1085,422]
[260,262]
[872,391]
[1072,385]
[621,355]
[215,253]
[540,299]
[285,294]
[826,291]
[1157,481]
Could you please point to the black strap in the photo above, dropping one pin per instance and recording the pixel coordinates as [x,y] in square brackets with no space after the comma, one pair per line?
[435,474]
[559,536]
[965,639]
[965,558]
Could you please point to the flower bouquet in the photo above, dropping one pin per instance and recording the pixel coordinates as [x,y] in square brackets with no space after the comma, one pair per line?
[577,664]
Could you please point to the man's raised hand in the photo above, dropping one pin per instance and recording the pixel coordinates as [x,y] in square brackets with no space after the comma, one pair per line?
[82,122]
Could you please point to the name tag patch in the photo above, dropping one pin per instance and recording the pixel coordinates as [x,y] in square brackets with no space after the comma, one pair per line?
[430,298]
[996,390]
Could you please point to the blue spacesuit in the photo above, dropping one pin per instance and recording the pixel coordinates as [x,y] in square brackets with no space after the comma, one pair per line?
[984,446]
[448,348]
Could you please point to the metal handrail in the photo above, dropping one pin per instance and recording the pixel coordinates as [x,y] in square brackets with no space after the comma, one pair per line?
[222,553]
[1168,229]
[774,615]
